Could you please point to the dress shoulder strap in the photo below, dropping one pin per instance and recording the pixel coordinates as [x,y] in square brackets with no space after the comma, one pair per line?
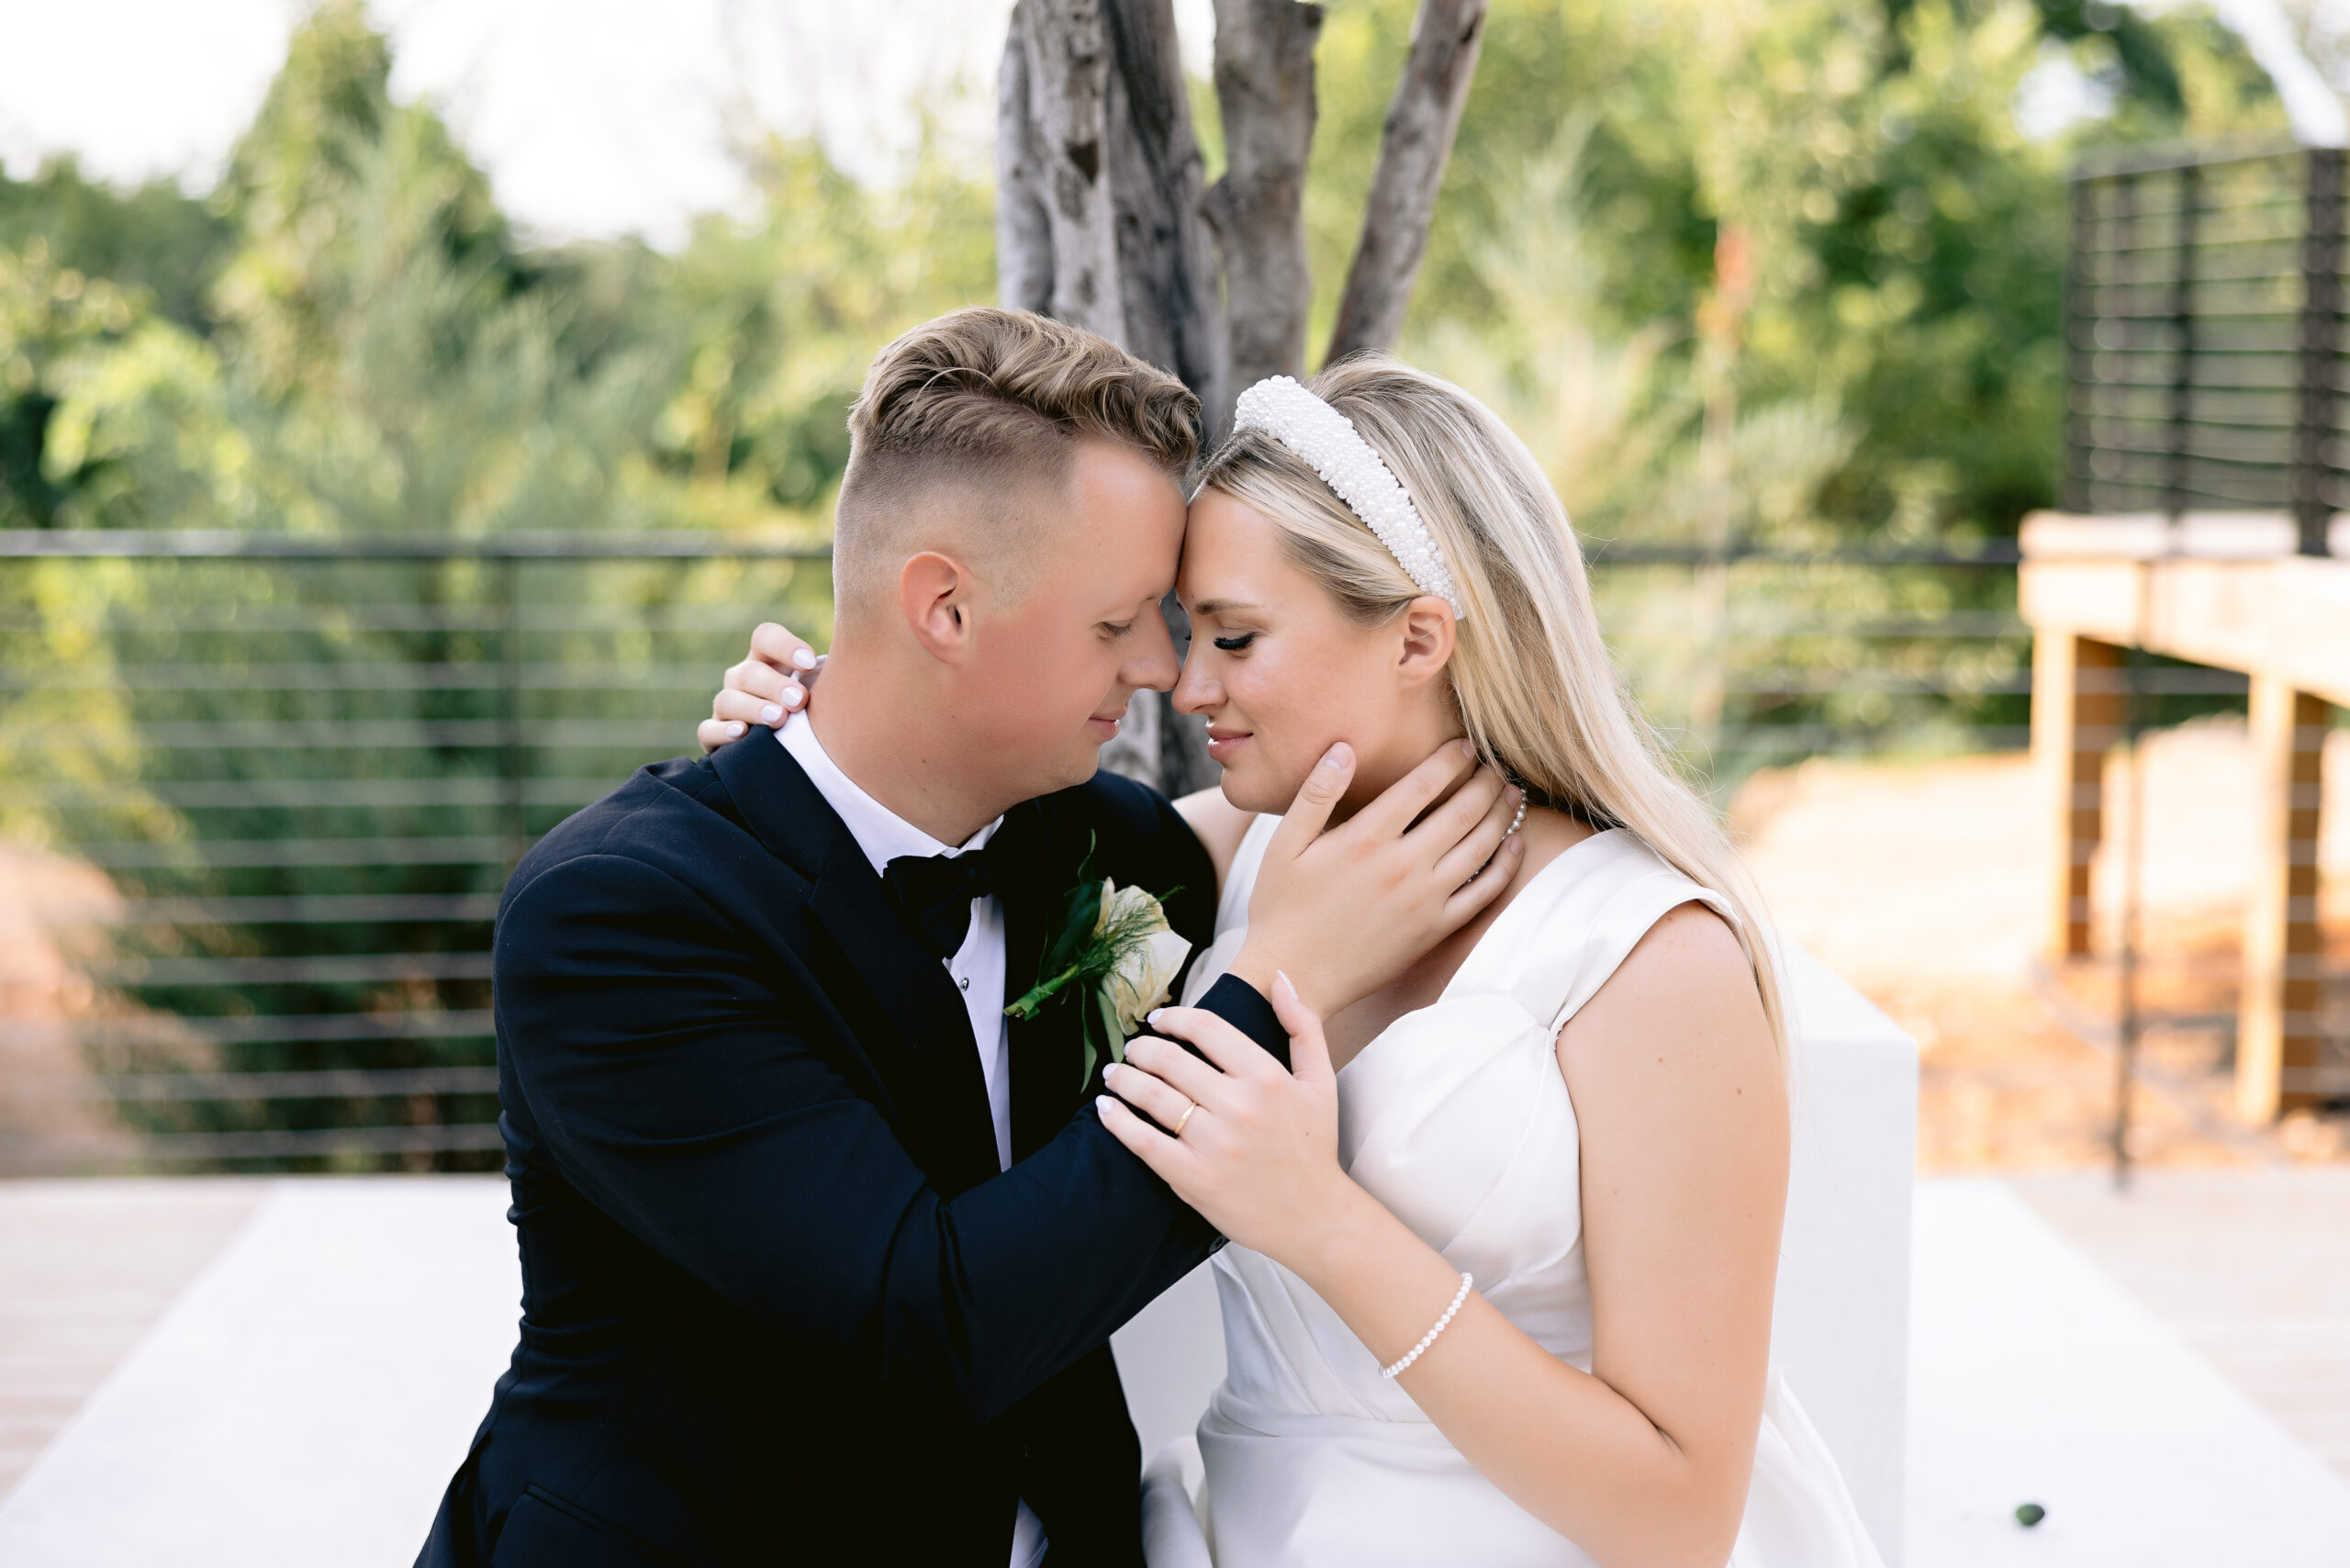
[1567,930]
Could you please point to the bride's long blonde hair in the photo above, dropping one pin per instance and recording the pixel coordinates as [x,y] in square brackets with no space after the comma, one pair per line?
[1535,688]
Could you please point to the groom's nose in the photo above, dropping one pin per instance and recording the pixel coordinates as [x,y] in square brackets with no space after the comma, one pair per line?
[1153,663]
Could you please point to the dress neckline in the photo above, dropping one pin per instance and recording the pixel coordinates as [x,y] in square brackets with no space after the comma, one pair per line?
[1469,962]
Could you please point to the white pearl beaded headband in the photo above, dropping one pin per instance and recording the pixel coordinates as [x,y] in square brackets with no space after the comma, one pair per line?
[1355,472]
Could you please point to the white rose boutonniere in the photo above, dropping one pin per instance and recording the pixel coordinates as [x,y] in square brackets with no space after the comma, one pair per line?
[1114,953]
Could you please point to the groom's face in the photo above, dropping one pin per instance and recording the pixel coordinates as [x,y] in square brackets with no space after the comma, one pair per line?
[1052,679]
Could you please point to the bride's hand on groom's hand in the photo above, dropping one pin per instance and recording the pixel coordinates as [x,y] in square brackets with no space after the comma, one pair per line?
[769,686]
[1258,1158]
[1345,910]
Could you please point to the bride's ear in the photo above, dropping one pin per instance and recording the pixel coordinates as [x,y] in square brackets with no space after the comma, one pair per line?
[1427,648]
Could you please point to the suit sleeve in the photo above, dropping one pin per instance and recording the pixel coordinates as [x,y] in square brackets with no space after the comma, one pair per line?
[1164,852]
[655,1049]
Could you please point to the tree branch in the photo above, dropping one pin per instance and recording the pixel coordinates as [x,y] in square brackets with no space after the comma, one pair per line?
[1421,120]
[1264,84]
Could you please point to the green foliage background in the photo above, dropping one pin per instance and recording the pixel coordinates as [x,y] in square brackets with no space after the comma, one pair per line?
[347,333]
[347,336]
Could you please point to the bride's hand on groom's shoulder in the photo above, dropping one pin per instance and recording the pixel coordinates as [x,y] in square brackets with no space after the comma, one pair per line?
[1257,1151]
[769,686]
[1343,911]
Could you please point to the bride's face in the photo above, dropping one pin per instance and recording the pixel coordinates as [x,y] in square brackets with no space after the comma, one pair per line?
[1283,672]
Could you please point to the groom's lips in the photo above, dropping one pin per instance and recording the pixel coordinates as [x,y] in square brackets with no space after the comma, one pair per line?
[1221,747]
[1106,728]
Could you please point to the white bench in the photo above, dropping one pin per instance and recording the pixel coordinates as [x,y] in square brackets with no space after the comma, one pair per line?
[1840,1329]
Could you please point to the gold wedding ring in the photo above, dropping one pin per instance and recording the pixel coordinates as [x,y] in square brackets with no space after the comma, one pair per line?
[1185,1117]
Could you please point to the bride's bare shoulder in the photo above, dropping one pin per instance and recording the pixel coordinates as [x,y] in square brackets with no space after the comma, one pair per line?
[1679,1020]
[1220,826]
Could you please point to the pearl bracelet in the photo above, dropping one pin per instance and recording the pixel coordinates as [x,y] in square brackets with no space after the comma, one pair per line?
[1429,1338]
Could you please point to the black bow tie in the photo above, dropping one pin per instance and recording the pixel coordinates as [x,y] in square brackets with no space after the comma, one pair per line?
[937,890]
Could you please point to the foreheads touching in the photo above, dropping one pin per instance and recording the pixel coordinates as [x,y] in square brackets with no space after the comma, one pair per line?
[966,440]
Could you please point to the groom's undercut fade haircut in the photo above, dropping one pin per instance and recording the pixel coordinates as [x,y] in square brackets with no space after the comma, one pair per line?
[984,408]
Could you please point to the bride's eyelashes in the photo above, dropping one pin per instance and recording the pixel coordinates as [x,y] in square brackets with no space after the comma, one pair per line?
[1236,644]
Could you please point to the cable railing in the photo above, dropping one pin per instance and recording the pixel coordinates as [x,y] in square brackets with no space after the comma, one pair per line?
[264,791]
[2205,339]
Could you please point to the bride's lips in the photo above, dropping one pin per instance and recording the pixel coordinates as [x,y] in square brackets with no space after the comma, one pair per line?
[1223,747]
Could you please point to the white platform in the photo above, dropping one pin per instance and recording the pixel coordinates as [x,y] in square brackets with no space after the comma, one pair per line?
[303,1401]
[2035,1378]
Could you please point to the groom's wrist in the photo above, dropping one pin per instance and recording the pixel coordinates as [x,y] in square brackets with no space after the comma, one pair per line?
[1243,1005]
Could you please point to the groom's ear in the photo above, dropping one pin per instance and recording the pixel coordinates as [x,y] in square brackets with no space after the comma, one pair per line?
[1427,646]
[935,594]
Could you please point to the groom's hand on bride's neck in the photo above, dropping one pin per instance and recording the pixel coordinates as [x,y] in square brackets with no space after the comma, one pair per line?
[1343,911]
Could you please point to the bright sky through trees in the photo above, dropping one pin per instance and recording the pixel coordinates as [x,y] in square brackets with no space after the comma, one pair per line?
[593,117]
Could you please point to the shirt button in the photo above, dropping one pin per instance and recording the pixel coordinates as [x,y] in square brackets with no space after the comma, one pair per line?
[965,982]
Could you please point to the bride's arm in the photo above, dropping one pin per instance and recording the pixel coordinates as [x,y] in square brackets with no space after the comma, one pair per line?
[1644,1463]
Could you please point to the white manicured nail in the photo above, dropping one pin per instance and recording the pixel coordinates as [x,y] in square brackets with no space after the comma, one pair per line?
[1156,1014]
[770,713]
[803,659]
[735,728]
[793,696]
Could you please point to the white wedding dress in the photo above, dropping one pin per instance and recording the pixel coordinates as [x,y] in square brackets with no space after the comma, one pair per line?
[1457,1118]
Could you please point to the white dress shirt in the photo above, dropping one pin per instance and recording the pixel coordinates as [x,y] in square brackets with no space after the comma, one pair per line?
[977,967]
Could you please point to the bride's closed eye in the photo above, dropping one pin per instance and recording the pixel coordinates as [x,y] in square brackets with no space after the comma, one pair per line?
[1236,644]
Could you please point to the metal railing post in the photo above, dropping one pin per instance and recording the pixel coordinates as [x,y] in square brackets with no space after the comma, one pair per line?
[511,823]
[2181,410]
[2318,341]
[2078,354]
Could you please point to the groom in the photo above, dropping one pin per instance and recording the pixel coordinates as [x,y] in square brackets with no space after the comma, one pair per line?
[819,1251]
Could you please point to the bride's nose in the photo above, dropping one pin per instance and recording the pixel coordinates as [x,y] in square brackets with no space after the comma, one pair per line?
[1196,691]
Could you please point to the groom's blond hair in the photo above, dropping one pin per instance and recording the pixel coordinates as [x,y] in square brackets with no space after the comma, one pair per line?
[984,408]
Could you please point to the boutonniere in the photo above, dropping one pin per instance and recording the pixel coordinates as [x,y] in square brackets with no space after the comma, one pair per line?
[1113,953]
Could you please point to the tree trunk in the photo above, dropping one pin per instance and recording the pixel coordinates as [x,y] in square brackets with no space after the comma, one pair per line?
[1023,230]
[1167,275]
[1264,84]
[1100,220]
[1418,140]
[1056,83]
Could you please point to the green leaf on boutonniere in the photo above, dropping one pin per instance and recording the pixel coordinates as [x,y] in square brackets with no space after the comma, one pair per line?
[1113,943]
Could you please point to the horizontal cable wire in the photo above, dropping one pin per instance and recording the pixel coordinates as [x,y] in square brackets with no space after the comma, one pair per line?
[333,969]
[170,1028]
[336,1083]
[37,1153]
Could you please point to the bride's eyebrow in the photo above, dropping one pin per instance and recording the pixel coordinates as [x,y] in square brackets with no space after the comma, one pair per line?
[1219,605]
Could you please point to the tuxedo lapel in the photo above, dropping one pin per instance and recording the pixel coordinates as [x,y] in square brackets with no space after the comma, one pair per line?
[1048,1050]
[899,975]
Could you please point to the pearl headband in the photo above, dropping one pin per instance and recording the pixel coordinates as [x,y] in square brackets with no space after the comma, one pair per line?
[1353,469]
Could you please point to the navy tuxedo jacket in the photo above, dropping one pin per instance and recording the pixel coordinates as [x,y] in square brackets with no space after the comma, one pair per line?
[779,1306]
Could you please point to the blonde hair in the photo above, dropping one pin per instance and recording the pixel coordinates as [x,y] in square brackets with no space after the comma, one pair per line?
[1530,676]
[992,402]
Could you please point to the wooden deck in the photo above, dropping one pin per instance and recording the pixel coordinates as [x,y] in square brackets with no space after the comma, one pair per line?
[2250,1267]
[86,1269]
[2220,590]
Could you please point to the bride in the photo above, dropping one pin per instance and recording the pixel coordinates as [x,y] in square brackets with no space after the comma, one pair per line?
[1503,1249]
